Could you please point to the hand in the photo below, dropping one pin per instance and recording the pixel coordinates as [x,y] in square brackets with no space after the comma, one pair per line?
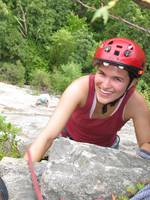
[144,154]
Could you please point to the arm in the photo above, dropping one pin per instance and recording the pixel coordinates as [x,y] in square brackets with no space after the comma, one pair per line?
[140,113]
[142,127]
[71,98]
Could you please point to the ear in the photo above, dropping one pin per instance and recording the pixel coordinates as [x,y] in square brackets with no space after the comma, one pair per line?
[135,81]
[97,67]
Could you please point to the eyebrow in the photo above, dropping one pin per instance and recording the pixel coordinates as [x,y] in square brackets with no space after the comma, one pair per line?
[120,77]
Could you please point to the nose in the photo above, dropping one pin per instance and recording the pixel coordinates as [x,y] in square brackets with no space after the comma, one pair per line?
[106,83]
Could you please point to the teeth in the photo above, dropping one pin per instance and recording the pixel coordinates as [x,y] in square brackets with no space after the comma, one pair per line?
[106,92]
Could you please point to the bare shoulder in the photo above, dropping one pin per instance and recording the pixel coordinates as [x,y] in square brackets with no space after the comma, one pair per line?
[136,106]
[78,90]
[79,85]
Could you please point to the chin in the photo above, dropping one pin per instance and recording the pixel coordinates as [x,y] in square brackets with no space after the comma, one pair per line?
[105,100]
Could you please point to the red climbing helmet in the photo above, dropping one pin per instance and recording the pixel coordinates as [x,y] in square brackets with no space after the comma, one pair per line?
[121,52]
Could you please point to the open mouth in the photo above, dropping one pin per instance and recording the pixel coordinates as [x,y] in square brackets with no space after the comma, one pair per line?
[105,93]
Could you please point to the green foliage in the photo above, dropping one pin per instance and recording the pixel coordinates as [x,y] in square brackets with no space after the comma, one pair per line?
[12,73]
[8,142]
[40,80]
[39,22]
[62,47]
[104,11]
[144,88]
[31,57]
[101,12]
[3,8]
[74,23]
[61,10]
[84,41]
[87,66]
[84,44]
[131,191]
[61,78]
[47,34]
[140,186]
[10,38]
[123,197]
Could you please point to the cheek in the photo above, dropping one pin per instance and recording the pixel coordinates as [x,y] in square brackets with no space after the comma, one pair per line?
[119,87]
[98,79]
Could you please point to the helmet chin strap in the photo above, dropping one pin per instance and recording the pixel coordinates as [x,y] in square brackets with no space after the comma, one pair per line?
[105,106]
[113,103]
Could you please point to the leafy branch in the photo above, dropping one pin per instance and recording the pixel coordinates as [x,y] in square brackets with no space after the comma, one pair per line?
[22,22]
[103,12]
[8,142]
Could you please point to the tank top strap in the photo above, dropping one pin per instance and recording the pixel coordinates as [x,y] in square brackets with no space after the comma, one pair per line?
[90,97]
[91,92]
[91,84]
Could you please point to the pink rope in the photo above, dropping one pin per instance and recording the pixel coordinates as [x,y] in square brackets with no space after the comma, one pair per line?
[34,177]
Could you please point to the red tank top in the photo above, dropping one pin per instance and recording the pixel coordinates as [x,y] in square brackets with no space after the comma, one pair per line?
[102,132]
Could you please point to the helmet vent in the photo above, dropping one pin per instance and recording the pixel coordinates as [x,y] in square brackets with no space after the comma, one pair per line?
[116,53]
[130,47]
[111,42]
[119,46]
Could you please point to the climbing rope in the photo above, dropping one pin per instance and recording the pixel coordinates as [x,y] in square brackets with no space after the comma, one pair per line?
[34,178]
[143,194]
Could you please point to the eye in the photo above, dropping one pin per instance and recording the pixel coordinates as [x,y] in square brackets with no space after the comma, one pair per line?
[101,73]
[119,79]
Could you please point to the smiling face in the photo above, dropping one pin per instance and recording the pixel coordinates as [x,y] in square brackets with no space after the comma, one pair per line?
[110,83]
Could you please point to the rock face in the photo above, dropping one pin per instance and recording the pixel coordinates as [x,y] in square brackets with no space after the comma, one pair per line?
[75,171]
[17,105]
[83,171]
[16,176]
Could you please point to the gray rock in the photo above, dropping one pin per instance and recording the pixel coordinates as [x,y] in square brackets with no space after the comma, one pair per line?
[75,171]
[86,172]
[17,105]
[17,177]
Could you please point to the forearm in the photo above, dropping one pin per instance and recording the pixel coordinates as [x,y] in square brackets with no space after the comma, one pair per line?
[145,146]
[38,149]
[144,151]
